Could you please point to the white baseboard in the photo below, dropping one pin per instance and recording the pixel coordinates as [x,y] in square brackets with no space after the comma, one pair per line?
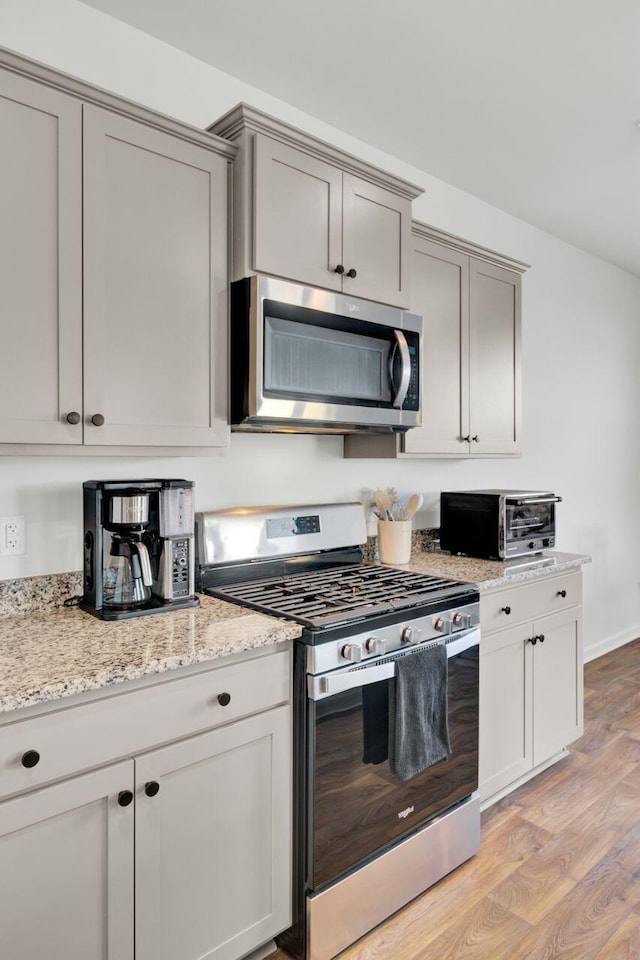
[610,643]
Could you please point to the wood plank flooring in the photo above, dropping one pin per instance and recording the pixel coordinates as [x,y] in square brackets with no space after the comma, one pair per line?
[558,872]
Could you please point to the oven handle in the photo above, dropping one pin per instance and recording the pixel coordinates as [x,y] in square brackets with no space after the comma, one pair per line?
[349,679]
[535,500]
[402,346]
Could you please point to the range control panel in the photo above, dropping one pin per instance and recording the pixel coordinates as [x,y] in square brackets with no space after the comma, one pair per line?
[180,568]
[292,526]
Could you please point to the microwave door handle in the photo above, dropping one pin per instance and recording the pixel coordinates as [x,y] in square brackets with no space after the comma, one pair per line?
[536,500]
[402,346]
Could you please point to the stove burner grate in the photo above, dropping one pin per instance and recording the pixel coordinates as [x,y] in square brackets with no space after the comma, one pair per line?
[331,596]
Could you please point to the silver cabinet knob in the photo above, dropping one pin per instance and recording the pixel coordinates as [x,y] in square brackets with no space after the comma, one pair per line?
[376,645]
[462,620]
[352,652]
[406,635]
[443,625]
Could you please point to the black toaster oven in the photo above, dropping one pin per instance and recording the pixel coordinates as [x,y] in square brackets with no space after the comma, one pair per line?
[497,524]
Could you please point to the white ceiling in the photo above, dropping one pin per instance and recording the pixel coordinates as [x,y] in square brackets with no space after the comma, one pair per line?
[531,105]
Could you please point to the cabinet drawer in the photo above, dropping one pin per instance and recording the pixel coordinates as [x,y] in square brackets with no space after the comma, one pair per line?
[80,737]
[528,601]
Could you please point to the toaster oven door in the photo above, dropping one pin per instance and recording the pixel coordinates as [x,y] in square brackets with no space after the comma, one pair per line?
[529,524]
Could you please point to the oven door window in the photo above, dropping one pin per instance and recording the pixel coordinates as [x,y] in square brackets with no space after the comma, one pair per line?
[358,806]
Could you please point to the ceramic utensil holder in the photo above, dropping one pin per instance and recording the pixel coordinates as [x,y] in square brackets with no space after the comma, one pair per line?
[394,541]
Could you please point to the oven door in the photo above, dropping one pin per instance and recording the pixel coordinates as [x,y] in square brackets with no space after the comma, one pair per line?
[324,360]
[356,806]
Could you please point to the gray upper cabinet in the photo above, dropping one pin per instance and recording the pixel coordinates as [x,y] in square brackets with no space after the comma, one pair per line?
[470,300]
[494,359]
[441,296]
[113,270]
[298,215]
[40,263]
[309,212]
[154,283]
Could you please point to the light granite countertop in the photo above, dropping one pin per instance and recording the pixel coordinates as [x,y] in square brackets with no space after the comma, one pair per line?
[59,652]
[492,574]
[47,656]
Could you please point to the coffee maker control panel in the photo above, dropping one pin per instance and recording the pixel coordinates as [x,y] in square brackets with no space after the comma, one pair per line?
[180,555]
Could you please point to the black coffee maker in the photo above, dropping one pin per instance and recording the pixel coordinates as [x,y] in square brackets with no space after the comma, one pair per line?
[138,547]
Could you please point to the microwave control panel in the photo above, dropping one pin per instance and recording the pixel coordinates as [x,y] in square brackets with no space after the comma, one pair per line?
[412,399]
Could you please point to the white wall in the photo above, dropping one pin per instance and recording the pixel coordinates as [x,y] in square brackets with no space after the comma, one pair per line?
[581,347]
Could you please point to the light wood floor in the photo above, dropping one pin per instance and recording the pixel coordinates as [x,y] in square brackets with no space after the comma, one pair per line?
[558,872]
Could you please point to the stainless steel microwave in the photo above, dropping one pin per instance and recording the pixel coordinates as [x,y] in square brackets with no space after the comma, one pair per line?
[497,524]
[312,361]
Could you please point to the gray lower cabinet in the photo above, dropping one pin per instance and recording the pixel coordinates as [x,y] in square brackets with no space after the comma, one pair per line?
[113,271]
[213,847]
[192,833]
[311,213]
[66,876]
[471,390]
[531,680]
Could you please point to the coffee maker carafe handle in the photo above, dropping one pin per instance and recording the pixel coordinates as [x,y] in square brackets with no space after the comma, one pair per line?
[145,563]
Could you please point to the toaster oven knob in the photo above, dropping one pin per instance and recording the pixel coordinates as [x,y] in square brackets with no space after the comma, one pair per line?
[352,652]
[462,620]
[443,625]
[376,645]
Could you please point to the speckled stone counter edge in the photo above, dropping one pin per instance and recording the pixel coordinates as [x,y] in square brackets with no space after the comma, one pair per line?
[38,594]
[494,574]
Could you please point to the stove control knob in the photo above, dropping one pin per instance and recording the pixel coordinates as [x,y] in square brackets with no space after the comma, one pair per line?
[462,620]
[443,625]
[406,635]
[352,652]
[376,645]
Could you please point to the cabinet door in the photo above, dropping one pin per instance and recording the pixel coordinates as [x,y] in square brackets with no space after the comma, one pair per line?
[440,294]
[376,242]
[557,683]
[213,847]
[506,750]
[66,883]
[297,215]
[494,342]
[40,263]
[155,304]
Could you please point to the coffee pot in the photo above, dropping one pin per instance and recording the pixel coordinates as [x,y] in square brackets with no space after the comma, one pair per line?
[138,547]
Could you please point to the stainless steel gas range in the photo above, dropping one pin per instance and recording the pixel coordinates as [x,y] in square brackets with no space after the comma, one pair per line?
[367,837]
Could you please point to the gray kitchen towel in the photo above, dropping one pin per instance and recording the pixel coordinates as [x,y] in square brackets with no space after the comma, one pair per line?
[418,713]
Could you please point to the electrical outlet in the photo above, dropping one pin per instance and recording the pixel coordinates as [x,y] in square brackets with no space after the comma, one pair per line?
[12,536]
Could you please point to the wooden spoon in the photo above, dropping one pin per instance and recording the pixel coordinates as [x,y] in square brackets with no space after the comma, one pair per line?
[414,504]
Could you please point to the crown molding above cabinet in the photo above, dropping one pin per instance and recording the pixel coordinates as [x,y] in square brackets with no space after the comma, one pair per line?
[307,211]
